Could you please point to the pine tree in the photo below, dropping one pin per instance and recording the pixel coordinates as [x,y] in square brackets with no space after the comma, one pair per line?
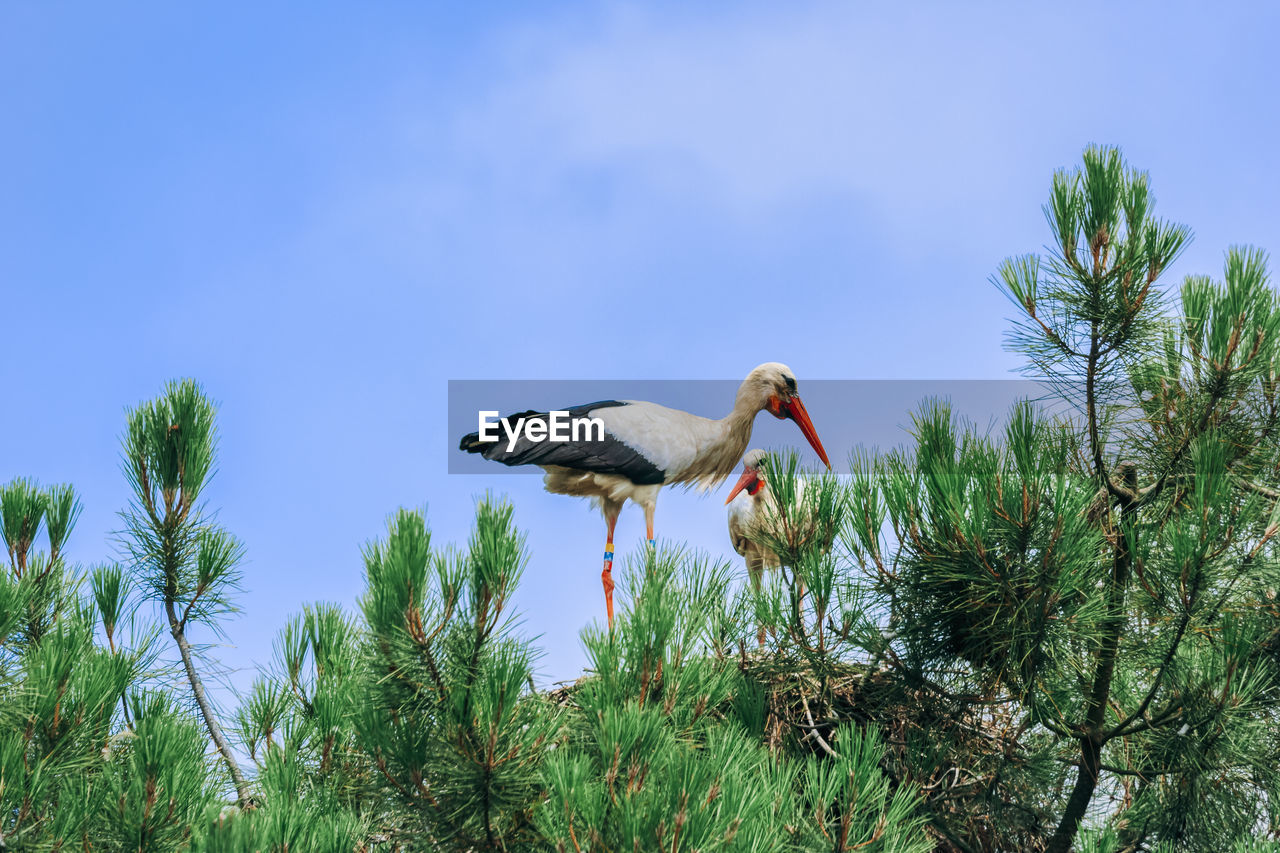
[184,562]
[447,716]
[72,774]
[1100,580]
[313,787]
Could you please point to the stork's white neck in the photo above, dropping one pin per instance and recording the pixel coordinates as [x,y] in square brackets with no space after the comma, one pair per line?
[721,446]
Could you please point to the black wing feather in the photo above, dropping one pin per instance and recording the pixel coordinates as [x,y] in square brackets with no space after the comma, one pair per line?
[607,456]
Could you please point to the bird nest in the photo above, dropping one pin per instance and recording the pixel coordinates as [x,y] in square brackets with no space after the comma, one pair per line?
[966,758]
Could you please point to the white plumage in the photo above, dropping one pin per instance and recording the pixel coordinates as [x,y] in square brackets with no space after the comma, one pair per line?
[751,505]
[756,519]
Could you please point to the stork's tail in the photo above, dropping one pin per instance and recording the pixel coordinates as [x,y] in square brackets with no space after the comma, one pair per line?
[471,443]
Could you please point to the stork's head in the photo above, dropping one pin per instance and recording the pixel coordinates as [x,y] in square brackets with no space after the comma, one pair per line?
[751,479]
[771,387]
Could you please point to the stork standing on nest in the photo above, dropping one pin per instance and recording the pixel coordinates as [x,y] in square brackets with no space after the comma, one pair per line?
[646,446]
[758,522]
[749,504]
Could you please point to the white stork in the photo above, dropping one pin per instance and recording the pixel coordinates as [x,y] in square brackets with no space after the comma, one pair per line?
[749,503]
[646,446]
[755,515]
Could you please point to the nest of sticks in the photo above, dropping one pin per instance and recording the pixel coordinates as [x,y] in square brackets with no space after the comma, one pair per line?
[968,759]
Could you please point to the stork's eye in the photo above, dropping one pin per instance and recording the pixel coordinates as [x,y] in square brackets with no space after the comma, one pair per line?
[790,382]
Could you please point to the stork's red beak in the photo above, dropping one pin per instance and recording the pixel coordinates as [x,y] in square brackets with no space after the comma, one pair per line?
[747,481]
[795,410]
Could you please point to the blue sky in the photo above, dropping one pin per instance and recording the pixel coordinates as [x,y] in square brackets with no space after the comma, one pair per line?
[324,213]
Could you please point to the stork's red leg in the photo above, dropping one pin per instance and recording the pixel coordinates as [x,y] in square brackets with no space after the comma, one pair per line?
[648,523]
[755,568]
[606,576]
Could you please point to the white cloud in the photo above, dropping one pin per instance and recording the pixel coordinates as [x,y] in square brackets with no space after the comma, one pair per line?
[757,109]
